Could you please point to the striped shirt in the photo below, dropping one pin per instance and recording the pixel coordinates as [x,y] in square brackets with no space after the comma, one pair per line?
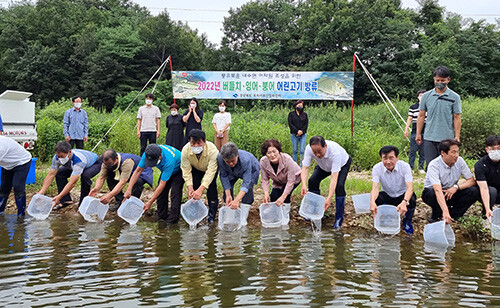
[413,112]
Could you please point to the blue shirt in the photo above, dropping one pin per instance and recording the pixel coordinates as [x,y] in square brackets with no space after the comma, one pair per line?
[75,124]
[79,161]
[440,110]
[247,168]
[170,162]
[1,124]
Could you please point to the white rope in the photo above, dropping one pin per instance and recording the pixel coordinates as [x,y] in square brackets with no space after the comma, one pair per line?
[382,95]
[135,98]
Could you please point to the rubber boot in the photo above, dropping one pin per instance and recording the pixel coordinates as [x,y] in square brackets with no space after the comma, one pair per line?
[21,205]
[3,203]
[286,214]
[339,212]
[212,211]
[407,221]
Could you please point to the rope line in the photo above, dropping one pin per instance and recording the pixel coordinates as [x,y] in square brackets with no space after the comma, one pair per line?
[162,66]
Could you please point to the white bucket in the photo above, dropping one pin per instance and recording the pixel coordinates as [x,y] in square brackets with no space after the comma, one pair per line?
[271,215]
[387,220]
[495,224]
[312,206]
[439,233]
[229,219]
[361,203]
[92,209]
[131,210]
[40,207]
[194,211]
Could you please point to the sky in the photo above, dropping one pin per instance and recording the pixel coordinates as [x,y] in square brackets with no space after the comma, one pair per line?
[207,16]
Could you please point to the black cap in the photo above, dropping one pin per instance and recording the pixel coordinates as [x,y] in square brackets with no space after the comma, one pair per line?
[152,153]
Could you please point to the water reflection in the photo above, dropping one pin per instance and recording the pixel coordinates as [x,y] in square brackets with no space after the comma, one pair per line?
[70,262]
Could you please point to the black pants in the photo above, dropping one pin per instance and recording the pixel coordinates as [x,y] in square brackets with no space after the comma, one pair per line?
[494,198]
[15,178]
[384,198]
[212,195]
[136,190]
[145,137]
[64,172]
[457,205]
[247,198]
[431,150]
[277,192]
[174,188]
[77,142]
[320,174]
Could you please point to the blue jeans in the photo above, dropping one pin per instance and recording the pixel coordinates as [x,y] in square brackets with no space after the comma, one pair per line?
[414,147]
[298,144]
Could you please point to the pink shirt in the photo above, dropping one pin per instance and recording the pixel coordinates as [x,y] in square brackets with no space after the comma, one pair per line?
[288,173]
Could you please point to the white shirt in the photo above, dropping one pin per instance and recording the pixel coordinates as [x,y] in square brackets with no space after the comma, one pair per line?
[438,172]
[335,157]
[221,119]
[393,182]
[148,116]
[12,154]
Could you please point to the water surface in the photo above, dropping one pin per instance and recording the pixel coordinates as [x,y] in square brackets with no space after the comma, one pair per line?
[65,261]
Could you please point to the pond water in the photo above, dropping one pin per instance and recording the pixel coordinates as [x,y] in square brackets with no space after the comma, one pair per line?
[68,262]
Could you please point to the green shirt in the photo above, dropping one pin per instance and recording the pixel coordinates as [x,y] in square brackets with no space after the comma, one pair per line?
[440,110]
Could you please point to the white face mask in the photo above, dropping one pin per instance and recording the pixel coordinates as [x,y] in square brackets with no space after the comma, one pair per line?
[221,108]
[159,161]
[149,102]
[193,105]
[494,155]
[64,160]
[196,150]
[174,112]
[78,105]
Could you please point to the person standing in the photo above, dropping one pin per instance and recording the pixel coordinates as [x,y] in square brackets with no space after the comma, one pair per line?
[76,124]
[175,126]
[192,117]
[298,122]
[116,170]
[487,170]
[283,171]
[395,177]
[448,199]
[332,160]
[168,160]
[148,122]
[221,122]
[15,162]
[443,108]
[199,170]
[414,147]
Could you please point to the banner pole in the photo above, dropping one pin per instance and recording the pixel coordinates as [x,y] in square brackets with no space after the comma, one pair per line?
[170,62]
[352,101]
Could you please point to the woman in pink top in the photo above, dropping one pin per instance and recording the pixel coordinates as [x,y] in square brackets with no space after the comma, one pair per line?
[284,172]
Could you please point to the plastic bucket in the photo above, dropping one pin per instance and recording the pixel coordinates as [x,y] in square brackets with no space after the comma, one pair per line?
[361,203]
[92,209]
[193,211]
[131,210]
[229,219]
[40,206]
[495,224]
[387,220]
[312,206]
[271,215]
[439,233]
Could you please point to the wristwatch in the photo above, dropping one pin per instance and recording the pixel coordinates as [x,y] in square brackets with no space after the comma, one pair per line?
[405,201]
[456,186]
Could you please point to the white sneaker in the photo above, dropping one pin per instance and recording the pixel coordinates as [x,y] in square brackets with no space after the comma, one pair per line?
[421,171]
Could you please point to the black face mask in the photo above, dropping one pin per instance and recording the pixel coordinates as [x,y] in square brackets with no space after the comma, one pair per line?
[299,109]
[113,167]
